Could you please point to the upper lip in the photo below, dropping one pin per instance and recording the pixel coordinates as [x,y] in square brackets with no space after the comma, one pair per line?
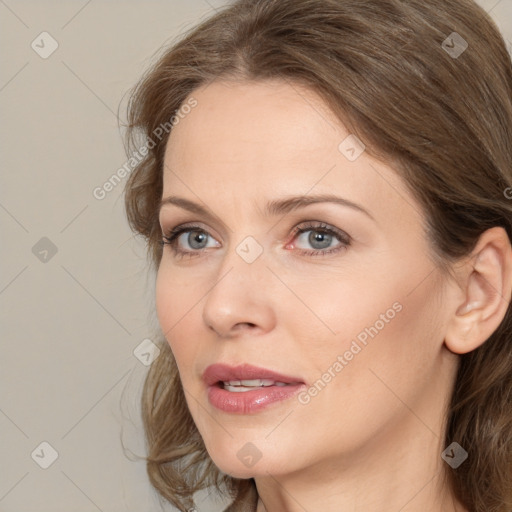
[223,373]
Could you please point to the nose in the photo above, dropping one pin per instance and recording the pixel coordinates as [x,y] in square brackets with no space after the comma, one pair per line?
[242,298]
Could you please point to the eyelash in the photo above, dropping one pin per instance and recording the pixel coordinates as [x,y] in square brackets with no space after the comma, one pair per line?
[171,239]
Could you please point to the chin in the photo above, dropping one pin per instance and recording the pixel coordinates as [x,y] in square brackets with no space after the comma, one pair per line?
[235,468]
[239,458]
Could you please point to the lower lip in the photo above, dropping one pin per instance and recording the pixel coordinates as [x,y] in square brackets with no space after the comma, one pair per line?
[247,402]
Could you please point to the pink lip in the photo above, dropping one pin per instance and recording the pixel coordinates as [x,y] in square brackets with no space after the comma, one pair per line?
[248,401]
[223,372]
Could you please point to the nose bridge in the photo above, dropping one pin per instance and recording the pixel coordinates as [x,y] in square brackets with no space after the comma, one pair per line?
[244,262]
[241,293]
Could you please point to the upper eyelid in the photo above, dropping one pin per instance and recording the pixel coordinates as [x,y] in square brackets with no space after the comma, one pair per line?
[175,225]
[195,225]
[180,229]
[291,206]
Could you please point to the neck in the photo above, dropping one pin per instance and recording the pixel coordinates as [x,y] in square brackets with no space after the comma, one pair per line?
[401,471]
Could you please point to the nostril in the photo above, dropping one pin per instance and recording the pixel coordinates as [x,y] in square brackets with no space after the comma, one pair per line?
[245,325]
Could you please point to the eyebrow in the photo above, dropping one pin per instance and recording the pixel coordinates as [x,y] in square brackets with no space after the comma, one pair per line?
[273,208]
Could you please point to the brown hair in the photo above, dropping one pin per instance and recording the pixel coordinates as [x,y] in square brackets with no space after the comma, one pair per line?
[386,69]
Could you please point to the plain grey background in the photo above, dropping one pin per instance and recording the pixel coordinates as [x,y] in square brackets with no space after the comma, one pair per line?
[75,296]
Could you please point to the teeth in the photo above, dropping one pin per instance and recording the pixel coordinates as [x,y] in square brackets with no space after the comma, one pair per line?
[257,382]
[248,385]
[237,389]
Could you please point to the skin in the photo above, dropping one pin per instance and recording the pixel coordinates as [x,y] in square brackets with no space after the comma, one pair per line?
[371,439]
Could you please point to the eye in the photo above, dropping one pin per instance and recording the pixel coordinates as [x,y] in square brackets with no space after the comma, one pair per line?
[188,240]
[323,239]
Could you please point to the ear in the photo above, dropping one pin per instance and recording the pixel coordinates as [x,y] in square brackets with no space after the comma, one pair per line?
[484,294]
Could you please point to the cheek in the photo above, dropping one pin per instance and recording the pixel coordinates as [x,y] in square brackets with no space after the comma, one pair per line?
[175,308]
[336,312]
[178,294]
[384,355]
[357,400]
[380,331]
[166,302]
[379,301]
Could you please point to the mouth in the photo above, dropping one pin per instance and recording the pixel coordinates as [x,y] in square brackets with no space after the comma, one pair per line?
[246,376]
[246,389]
[241,386]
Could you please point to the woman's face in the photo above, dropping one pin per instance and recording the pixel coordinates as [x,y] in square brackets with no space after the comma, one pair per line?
[349,311]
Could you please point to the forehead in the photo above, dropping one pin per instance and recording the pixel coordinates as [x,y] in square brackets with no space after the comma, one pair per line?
[270,121]
[271,139]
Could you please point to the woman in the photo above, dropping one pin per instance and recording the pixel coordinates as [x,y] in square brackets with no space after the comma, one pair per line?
[325,193]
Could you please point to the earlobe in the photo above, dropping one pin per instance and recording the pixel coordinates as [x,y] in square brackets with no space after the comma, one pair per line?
[487,286]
